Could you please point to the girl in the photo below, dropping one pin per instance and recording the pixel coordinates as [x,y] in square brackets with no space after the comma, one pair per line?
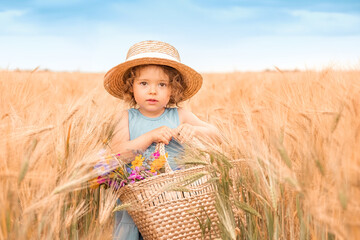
[153,80]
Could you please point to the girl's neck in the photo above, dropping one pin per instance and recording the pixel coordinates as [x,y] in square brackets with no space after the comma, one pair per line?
[152,114]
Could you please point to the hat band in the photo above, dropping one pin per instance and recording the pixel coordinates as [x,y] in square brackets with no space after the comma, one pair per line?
[152,55]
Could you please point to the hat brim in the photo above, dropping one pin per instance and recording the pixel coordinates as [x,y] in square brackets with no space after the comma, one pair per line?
[114,84]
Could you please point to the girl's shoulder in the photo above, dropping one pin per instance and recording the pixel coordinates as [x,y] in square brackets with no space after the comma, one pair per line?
[122,118]
[180,109]
[183,111]
[122,114]
[184,114]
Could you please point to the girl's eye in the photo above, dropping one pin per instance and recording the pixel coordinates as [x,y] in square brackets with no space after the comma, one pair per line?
[143,83]
[162,84]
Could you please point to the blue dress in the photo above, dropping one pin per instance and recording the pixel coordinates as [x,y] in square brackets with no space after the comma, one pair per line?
[125,228]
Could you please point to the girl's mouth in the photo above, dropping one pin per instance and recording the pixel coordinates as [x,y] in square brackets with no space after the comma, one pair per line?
[151,100]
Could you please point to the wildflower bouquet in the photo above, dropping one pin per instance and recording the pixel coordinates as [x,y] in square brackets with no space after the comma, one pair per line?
[111,173]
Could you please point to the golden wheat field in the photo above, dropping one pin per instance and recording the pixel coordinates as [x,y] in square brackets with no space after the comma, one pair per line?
[296,133]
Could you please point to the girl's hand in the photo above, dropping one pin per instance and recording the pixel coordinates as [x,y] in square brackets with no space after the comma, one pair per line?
[162,134]
[185,132]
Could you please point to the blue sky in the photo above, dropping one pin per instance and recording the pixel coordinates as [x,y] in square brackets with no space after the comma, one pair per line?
[211,36]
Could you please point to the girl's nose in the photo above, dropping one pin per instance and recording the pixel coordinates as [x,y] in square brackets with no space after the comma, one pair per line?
[152,89]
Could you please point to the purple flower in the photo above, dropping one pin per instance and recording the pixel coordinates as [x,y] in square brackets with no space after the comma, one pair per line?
[102,168]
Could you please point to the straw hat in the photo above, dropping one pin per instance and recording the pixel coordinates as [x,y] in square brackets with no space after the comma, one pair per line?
[151,52]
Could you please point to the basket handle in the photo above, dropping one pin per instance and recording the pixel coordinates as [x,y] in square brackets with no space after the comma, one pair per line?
[161,148]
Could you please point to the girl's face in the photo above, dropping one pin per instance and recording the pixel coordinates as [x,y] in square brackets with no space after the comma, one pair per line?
[152,90]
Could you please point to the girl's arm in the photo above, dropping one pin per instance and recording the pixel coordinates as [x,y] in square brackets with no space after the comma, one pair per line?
[121,143]
[191,125]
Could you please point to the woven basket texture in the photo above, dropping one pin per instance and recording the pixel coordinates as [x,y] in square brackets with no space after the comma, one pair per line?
[161,214]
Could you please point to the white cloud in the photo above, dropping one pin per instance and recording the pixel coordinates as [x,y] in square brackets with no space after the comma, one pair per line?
[328,22]
[13,22]
[11,14]
[231,13]
[294,52]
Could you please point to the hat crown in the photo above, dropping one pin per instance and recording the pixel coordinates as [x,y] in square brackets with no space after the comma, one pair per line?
[153,47]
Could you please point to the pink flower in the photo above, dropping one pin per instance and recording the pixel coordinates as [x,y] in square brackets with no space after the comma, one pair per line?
[135,177]
[135,174]
[156,154]
[101,180]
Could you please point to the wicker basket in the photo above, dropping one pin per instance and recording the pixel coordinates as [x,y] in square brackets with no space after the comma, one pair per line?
[161,214]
